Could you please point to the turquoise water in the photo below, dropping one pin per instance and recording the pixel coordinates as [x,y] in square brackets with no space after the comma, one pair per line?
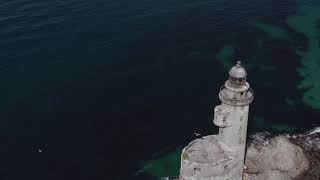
[95,89]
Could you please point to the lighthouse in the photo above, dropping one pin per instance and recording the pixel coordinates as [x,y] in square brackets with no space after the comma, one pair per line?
[221,157]
[232,115]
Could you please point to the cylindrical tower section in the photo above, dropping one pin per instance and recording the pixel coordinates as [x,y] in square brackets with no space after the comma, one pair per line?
[235,134]
[232,115]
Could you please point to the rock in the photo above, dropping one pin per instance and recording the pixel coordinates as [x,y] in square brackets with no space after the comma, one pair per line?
[271,175]
[310,143]
[277,158]
[287,157]
[253,163]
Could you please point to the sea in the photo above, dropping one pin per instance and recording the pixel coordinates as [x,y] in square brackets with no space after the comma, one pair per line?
[113,89]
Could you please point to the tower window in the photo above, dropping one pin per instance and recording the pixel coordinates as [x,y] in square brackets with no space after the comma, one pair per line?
[235,82]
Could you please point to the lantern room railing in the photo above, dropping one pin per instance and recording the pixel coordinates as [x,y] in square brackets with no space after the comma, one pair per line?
[237,98]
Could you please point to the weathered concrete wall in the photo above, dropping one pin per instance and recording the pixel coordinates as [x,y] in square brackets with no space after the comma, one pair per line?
[235,134]
[204,159]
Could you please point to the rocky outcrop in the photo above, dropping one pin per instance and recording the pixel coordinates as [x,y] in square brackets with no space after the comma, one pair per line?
[284,157]
[277,158]
[310,143]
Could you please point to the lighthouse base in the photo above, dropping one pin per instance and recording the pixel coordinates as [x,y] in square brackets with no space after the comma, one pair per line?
[206,159]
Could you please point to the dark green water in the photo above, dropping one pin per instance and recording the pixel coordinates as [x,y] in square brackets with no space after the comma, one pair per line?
[94,89]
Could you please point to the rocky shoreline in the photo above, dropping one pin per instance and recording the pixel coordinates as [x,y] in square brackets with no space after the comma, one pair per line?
[283,157]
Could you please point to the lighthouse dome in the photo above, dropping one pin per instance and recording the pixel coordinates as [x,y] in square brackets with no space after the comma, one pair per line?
[238,71]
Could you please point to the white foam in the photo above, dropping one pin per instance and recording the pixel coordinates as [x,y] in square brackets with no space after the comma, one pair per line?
[315,131]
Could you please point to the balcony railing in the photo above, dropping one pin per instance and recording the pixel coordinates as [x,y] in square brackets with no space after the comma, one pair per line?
[238,99]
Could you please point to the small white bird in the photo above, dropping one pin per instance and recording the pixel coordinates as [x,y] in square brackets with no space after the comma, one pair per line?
[197,134]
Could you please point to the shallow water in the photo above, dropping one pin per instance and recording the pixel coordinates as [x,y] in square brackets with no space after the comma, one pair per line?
[92,89]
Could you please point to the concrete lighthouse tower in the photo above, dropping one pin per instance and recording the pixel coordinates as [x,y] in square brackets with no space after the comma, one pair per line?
[232,115]
[221,157]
